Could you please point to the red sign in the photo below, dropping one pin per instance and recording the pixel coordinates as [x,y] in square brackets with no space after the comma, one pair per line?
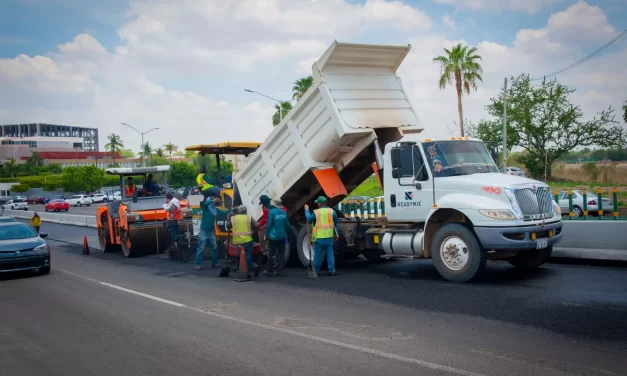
[494,190]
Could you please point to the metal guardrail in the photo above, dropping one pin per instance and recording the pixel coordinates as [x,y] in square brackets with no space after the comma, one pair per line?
[364,209]
[600,211]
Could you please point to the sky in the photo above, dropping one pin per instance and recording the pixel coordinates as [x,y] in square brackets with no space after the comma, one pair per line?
[183,65]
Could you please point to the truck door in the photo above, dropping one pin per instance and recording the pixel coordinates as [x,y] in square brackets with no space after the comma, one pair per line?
[411,198]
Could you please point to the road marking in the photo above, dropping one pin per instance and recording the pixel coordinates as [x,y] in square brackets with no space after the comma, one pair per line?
[383,354]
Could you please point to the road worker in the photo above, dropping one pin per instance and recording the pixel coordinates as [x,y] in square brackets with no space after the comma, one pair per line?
[266,205]
[277,232]
[243,226]
[324,233]
[35,222]
[204,184]
[172,207]
[150,187]
[207,234]
[129,188]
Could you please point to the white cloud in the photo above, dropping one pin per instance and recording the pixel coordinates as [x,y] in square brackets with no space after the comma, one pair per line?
[265,45]
[448,21]
[528,6]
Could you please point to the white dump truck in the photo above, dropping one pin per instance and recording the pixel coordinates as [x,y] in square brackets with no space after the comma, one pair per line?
[445,198]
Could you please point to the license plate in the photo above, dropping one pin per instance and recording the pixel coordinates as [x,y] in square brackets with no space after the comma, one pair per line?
[542,243]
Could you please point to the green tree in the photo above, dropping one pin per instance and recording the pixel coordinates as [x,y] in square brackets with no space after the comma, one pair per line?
[548,125]
[170,148]
[146,151]
[114,145]
[460,65]
[82,179]
[276,118]
[625,112]
[10,168]
[182,174]
[158,161]
[35,159]
[301,86]
[127,153]
[20,188]
[159,153]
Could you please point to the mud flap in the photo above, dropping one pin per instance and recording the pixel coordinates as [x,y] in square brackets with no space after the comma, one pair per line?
[330,182]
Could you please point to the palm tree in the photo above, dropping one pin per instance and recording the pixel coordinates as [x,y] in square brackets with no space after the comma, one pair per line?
[114,145]
[170,148]
[301,86]
[159,153]
[286,107]
[460,65]
[146,151]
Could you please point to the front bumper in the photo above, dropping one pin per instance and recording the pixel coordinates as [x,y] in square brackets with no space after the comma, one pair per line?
[520,237]
[15,264]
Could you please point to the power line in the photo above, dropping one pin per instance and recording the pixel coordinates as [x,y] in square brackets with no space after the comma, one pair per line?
[590,56]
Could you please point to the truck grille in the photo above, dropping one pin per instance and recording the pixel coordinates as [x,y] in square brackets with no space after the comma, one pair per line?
[535,203]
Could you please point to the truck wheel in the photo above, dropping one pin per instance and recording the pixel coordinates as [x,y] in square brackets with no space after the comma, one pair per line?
[456,253]
[304,243]
[531,259]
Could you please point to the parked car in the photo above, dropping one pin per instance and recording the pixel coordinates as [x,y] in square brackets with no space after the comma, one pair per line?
[21,198]
[80,200]
[99,197]
[57,205]
[21,248]
[593,203]
[4,199]
[117,195]
[16,205]
[516,171]
[5,218]
[55,197]
[32,200]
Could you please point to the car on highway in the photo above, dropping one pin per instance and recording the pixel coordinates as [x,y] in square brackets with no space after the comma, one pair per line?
[16,204]
[57,205]
[593,203]
[21,248]
[4,219]
[516,171]
[55,197]
[80,200]
[33,200]
[99,198]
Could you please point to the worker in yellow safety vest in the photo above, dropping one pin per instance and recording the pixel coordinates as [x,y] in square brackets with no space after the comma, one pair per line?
[205,186]
[324,234]
[243,226]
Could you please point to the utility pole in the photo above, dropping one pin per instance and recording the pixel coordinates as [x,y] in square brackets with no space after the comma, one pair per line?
[505,126]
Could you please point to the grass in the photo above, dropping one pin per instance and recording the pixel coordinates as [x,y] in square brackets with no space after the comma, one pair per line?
[371,188]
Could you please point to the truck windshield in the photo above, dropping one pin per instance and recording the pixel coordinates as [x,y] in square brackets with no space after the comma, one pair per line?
[453,158]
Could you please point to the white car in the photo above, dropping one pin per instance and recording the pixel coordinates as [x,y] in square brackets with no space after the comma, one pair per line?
[16,205]
[80,200]
[516,171]
[99,197]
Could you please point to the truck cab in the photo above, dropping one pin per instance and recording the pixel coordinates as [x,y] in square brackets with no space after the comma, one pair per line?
[447,200]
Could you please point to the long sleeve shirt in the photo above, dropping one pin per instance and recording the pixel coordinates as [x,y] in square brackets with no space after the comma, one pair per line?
[311,217]
[278,224]
[169,207]
[209,213]
[264,218]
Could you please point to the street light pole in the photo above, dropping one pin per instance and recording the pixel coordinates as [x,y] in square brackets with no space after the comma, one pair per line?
[276,100]
[142,134]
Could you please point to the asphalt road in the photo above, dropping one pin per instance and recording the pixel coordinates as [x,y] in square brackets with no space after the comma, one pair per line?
[104,315]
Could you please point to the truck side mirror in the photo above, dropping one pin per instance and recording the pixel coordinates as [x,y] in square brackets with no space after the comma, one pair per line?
[396,173]
[396,157]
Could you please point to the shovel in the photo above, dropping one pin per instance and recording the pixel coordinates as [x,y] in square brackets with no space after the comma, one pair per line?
[311,272]
[224,272]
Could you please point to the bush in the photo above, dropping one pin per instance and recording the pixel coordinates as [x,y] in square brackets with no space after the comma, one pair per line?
[590,169]
[20,188]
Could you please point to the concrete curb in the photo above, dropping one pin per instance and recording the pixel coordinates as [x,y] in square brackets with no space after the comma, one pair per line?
[63,219]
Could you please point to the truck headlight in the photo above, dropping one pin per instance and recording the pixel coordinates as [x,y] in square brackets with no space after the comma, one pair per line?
[187,213]
[505,215]
[557,210]
[135,217]
[42,249]
[509,192]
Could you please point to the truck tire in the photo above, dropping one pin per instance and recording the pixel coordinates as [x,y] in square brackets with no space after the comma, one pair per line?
[457,254]
[303,250]
[531,259]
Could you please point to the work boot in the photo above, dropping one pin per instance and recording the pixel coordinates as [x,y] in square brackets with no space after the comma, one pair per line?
[197,267]
[332,274]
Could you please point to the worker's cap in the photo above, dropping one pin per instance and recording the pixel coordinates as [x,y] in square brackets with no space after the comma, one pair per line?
[242,209]
[276,202]
[321,200]
[264,199]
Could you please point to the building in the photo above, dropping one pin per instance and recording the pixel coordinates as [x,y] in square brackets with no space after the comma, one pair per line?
[88,136]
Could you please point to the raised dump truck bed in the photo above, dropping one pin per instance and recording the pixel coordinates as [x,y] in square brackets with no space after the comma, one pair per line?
[328,143]
[325,144]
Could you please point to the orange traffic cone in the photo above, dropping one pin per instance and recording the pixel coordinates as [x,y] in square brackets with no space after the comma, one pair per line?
[85,247]
[242,275]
